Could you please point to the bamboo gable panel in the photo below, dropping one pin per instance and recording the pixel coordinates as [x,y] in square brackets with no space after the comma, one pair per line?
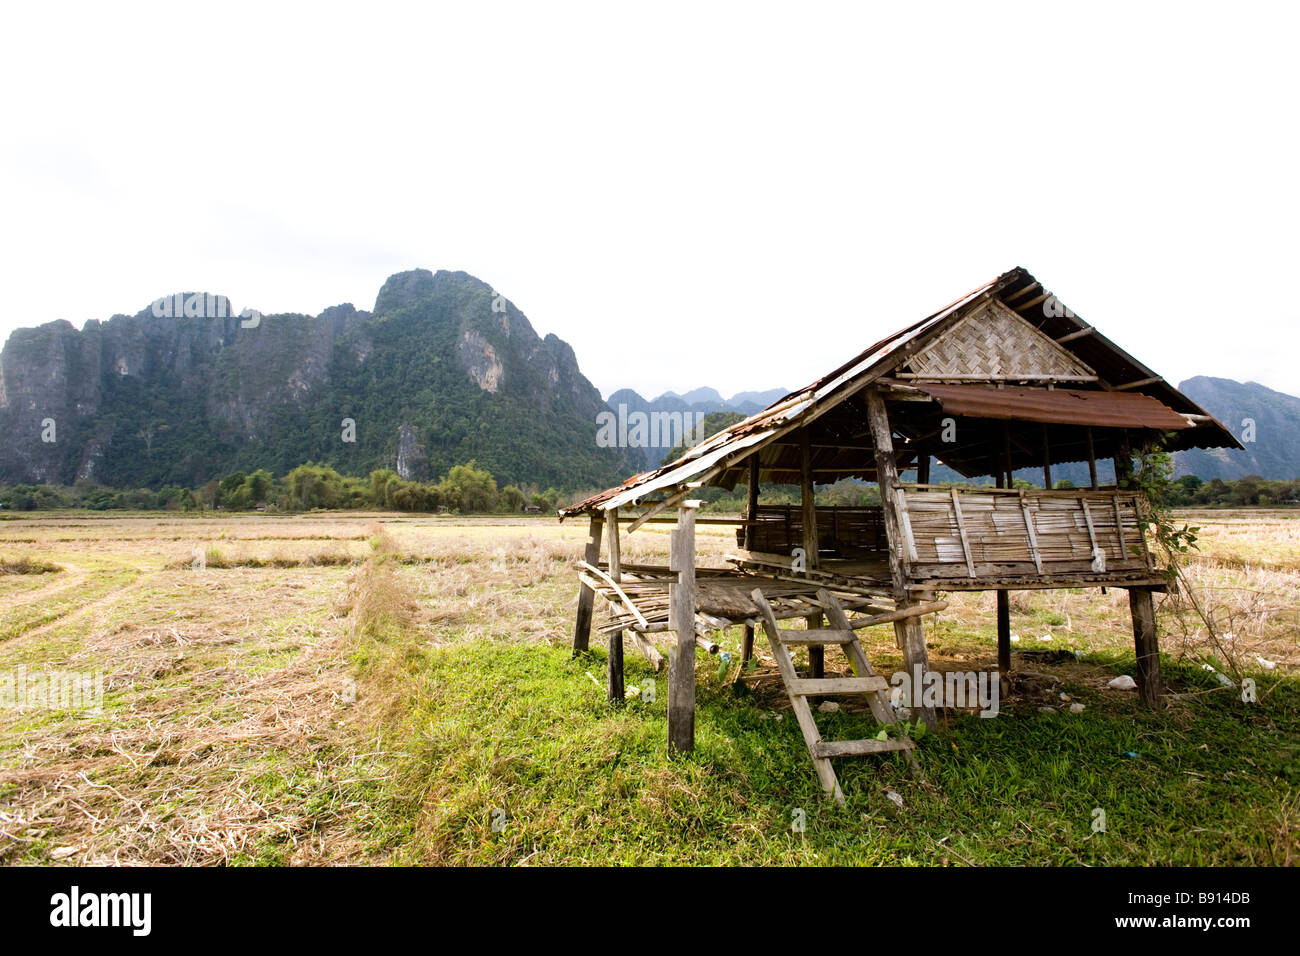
[996,343]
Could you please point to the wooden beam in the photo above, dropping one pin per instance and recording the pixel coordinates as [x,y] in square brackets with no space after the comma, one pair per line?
[889,617]
[909,633]
[811,546]
[1149,680]
[1071,336]
[681,659]
[657,509]
[1012,377]
[1139,383]
[923,469]
[614,662]
[586,596]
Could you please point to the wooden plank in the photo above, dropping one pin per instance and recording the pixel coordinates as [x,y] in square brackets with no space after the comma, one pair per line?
[1147,645]
[1119,526]
[858,748]
[586,594]
[819,635]
[1092,534]
[681,662]
[837,685]
[614,659]
[961,531]
[1030,535]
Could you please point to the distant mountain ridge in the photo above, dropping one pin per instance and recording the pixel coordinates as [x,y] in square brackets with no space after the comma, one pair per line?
[697,402]
[444,370]
[1266,421]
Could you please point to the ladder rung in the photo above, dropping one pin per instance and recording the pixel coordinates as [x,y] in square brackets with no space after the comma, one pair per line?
[817,635]
[855,748]
[821,686]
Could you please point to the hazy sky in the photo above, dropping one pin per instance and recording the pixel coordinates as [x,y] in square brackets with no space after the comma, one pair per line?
[733,195]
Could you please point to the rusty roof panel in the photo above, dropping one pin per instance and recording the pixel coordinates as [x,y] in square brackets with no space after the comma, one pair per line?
[1057,406]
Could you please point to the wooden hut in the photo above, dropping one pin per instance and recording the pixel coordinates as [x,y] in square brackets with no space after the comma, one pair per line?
[1003,379]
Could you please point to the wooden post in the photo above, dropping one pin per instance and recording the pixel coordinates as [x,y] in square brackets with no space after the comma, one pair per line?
[614,663]
[1047,462]
[751,510]
[910,634]
[586,596]
[1092,461]
[808,502]
[1147,645]
[1123,461]
[1006,454]
[1004,617]
[681,659]
[923,469]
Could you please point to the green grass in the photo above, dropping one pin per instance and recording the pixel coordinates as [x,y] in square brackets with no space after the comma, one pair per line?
[522,729]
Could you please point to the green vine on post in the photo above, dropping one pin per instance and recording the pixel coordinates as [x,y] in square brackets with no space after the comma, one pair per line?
[1153,478]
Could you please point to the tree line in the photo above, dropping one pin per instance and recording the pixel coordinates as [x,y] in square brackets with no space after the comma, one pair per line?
[465,489]
[468,489]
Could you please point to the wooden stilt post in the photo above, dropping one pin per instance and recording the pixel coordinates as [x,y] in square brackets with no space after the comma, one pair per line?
[751,511]
[586,596]
[614,663]
[1004,617]
[808,501]
[1004,632]
[1092,461]
[681,659]
[1006,454]
[910,634]
[923,469]
[1047,462]
[1123,461]
[1147,645]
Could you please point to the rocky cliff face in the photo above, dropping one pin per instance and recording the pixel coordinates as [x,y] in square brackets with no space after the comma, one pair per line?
[443,370]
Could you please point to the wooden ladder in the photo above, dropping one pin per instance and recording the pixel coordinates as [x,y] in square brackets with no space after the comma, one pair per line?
[800,689]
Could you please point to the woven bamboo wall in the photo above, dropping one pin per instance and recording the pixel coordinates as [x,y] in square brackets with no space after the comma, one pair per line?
[997,537]
[780,529]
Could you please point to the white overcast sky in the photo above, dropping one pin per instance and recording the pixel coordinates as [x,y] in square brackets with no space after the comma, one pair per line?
[739,196]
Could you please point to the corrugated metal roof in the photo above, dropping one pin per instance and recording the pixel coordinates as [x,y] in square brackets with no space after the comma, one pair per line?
[1058,405]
